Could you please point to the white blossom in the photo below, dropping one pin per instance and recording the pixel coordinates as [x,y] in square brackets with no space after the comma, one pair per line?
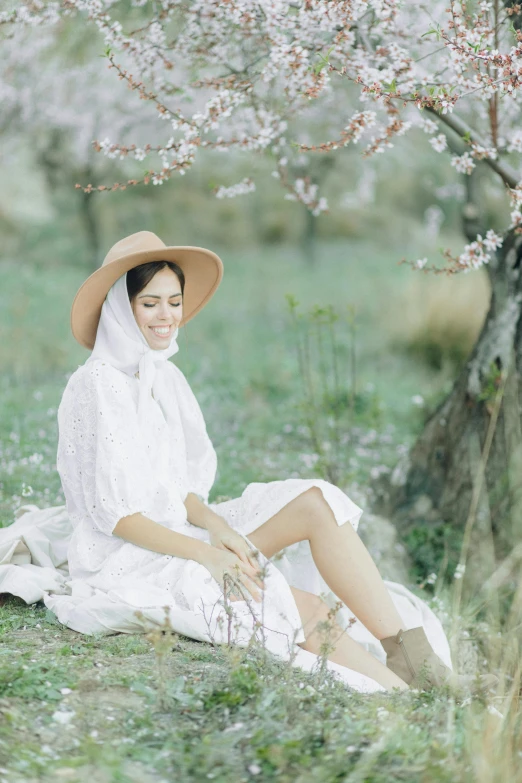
[463,163]
[245,186]
[439,143]
[515,142]
[285,63]
[492,241]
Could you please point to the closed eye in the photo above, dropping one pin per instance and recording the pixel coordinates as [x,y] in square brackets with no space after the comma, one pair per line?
[172,304]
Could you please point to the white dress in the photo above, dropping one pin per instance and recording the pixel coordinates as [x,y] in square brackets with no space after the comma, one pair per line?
[110,467]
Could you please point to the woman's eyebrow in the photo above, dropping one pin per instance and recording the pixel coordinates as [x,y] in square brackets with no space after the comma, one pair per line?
[155,296]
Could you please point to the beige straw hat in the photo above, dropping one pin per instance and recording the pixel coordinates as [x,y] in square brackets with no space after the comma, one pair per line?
[203,271]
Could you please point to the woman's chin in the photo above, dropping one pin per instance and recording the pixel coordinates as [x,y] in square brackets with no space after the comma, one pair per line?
[158,343]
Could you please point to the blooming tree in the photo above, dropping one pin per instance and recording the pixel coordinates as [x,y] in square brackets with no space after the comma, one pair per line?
[234,74]
[54,102]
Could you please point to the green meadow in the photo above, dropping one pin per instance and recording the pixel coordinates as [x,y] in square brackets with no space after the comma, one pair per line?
[160,708]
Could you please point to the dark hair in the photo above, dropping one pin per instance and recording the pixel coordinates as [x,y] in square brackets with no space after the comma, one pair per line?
[140,276]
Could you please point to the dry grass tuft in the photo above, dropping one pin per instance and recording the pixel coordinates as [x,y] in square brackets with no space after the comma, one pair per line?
[437,319]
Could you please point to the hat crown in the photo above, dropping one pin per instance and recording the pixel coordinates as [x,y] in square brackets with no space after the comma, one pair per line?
[140,242]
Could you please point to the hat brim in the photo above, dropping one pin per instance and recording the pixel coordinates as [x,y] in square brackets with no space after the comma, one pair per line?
[202,268]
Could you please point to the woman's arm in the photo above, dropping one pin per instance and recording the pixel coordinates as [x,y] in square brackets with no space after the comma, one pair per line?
[144,532]
[200,515]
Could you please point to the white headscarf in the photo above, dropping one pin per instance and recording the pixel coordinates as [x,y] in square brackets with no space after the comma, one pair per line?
[120,342]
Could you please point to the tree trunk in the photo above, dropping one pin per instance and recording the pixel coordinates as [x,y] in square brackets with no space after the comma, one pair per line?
[438,485]
[91,225]
[472,216]
[309,240]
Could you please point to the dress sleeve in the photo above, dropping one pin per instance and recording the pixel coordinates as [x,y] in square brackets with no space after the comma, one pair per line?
[103,465]
[200,453]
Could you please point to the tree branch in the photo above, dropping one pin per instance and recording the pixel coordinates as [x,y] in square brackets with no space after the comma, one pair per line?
[508,174]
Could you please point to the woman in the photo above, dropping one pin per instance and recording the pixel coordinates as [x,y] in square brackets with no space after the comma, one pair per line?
[137,465]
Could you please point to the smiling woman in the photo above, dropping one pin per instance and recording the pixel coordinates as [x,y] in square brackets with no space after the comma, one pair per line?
[156,295]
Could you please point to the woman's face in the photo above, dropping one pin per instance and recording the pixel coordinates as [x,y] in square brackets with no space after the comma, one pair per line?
[158,308]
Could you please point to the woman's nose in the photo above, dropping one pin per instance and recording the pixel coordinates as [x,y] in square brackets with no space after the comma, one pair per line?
[165,311]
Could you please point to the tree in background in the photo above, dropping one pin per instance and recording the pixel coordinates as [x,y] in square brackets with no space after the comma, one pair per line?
[249,75]
[56,97]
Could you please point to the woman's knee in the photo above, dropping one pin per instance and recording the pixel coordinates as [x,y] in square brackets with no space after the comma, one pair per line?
[314,507]
[313,496]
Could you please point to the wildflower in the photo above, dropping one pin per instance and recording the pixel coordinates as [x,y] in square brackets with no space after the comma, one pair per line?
[254,769]
[234,727]
[63,716]
[378,470]
[459,571]
[309,459]
[418,400]
[421,263]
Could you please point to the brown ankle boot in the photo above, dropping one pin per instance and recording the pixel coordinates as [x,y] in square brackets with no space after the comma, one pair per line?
[410,656]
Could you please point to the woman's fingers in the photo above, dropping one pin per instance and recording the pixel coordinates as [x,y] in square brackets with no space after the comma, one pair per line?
[252,569]
[249,584]
[238,551]
[253,573]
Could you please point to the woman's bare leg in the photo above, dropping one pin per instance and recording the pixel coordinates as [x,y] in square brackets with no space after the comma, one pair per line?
[347,651]
[341,557]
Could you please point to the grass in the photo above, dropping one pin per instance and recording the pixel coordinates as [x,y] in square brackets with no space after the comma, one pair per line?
[74,708]
[78,708]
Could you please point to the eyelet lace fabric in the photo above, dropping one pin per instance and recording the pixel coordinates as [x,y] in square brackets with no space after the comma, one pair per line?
[110,467]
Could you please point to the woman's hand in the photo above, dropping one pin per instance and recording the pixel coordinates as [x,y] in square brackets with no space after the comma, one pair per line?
[227,538]
[222,561]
